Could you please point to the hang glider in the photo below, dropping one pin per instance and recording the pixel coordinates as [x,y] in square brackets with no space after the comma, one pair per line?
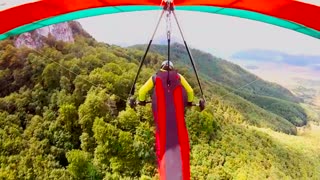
[19,16]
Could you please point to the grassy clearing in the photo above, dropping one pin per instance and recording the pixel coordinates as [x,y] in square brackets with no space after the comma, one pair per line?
[306,142]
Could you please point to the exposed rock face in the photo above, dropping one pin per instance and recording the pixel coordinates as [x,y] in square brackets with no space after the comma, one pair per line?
[35,39]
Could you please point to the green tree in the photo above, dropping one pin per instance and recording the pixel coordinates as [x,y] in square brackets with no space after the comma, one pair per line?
[80,166]
[51,76]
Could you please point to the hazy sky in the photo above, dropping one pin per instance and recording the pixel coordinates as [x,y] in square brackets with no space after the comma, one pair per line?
[220,35]
[217,34]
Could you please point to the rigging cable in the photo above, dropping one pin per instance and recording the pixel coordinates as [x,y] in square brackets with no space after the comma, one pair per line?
[241,87]
[144,56]
[168,8]
[190,55]
[38,52]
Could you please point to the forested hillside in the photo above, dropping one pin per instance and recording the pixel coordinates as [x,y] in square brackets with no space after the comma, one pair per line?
[63,115]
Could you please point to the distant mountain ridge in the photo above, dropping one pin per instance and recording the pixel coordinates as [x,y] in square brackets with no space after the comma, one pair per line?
[280,57]
[268,96]
[224,72]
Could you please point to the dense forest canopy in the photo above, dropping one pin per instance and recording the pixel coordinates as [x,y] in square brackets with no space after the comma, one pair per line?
[63,115]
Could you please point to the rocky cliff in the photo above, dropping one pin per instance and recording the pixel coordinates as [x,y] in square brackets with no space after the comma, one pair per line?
[61,32]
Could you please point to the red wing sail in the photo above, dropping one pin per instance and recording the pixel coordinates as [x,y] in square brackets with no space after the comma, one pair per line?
[299,15]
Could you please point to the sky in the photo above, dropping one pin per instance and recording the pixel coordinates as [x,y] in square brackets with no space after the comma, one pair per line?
[217,34]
